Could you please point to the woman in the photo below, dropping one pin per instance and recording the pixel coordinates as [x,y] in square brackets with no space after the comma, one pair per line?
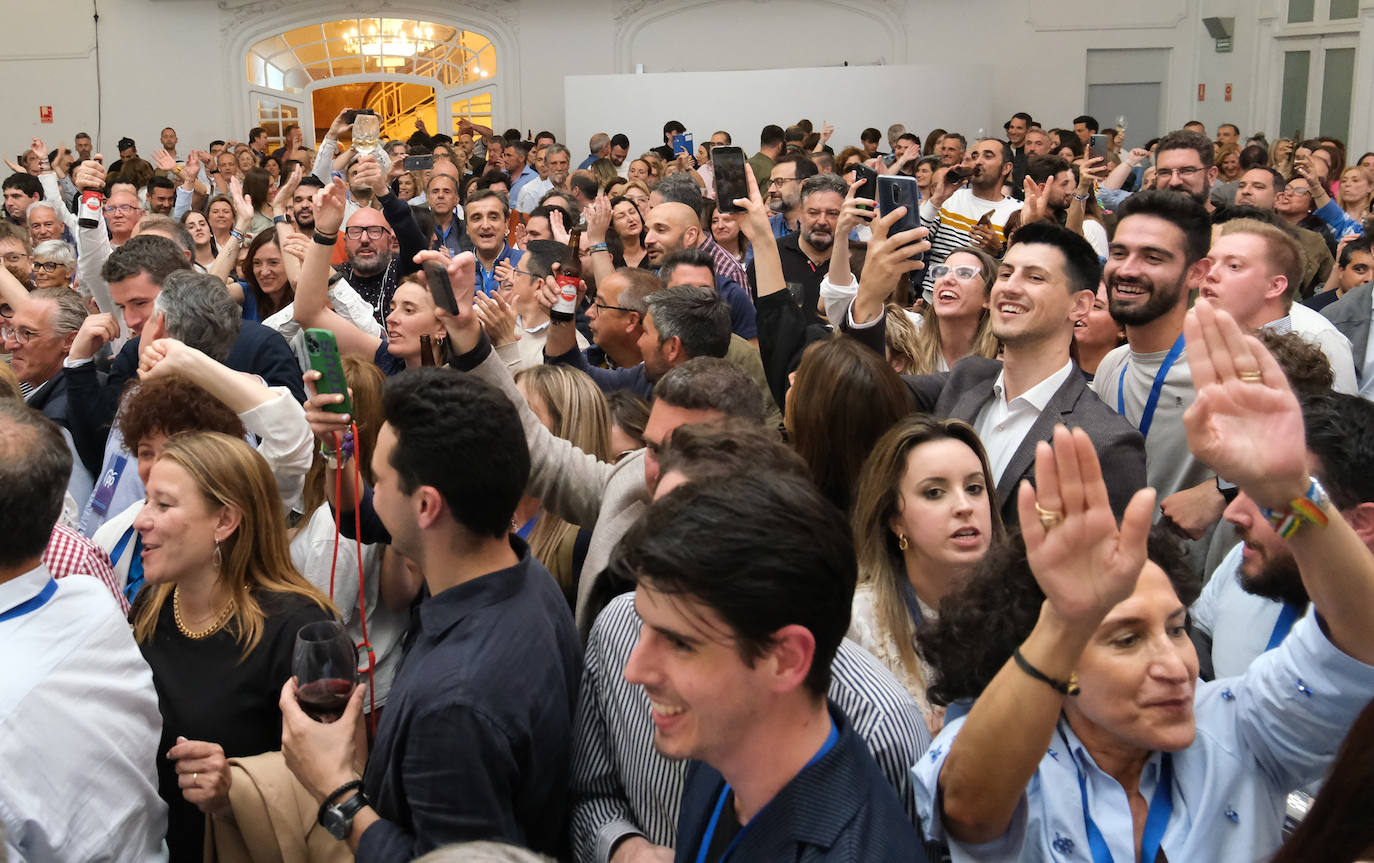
[1281,156]
[571,406]
[656,168]
[219,213]
[257,186]
[626,237]
[725,231]
[1295,204]
[199,229]
[637,193]
[902,339]
[247,160]
[407,185]
[1228,163]
[1356,190]
[925,175]
[1096,335]
[1366,161]
[639,171]
[272,165]
[848,158]
[217,621]
[265,274]
[955,323]
[1093,733]
[54,264]
[604,171]
[923,519]
[932,147]
[629,416]
[614,187]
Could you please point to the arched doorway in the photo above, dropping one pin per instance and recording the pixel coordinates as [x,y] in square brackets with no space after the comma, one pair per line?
[404,69]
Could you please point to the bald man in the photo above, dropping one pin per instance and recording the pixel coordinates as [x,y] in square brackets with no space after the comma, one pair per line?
[673,227]
[380,245]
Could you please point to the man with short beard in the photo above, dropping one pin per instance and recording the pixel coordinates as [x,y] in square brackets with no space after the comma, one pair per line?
[1184,162]
[783,193]
[371,269]
[953,213]
[805,252]
[1256,595]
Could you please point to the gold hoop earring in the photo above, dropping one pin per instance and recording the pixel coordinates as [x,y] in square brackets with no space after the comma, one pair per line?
[902,542]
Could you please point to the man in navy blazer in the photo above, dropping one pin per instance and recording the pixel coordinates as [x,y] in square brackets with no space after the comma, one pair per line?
[1351,314]
[744,588]
[1045,282]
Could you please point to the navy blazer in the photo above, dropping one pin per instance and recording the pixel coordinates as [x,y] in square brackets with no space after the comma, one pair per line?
[840,808]
[51,399]
[962,392]
[1351,314]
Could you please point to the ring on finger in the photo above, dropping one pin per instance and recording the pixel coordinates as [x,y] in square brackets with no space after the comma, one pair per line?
[1250,376]
[195,780]
[1049,518]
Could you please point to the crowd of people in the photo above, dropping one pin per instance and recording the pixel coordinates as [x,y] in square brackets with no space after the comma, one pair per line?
[1033,525]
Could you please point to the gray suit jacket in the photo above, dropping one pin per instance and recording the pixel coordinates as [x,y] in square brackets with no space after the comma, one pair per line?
[573,485]
[1351,315]
[962,392]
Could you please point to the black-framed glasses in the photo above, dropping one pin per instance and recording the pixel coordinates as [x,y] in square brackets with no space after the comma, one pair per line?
[49,266]
[374,232]
[601,307]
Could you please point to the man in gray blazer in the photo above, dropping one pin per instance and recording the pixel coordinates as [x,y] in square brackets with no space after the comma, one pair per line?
[1350,314]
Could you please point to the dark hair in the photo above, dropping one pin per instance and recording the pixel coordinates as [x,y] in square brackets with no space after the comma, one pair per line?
[712,384]
[698,316]
[265,304]
[1178,208]
[312,181]
[620,139]
[1042,168]
[1331,829]
[541,255]
[1254,156]
[1019,115]
[26,183]
[846,396]
[545,133]
[689,257]
[1274,177]
[255,132]
[491,178]
[1303,363]
[1363,243]
[256,183]
[436,412]
[805,167]
[1340,432]
[982,622]
[35,465]
[771,136]
[521,147]
[673,127]
[157,256]
[762,552]
[485,193]
[1087,120]
[870,135]
[629,412]
[1186,139]
[580,182]
[171,405]
[794,135]
[910,136]
[1083,267]
[729,447]
[160,181]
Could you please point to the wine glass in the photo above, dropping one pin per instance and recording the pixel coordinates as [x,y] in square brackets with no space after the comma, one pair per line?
[367,129]
[325,664]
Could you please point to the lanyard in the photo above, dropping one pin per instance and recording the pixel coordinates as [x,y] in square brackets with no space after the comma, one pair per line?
[1156,819]
[33,603]
[725,792]
[442,236]
[913,605]
[1287,618]
[135,578]
[1152,402]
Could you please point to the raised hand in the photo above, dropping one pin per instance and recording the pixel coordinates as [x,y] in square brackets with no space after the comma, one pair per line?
[192,170]
[888,258]
[753,222]
[464,328]
[1080,559]
[340,126]
[39,149]
[330,203]
[559,230]
[281,201]
[325,424]
[826,131]
[243,205]
[96,330]
[1036,206]
[1245,423]
[598,215]
[856,211]
[90,175]
[295,244]
[164,161]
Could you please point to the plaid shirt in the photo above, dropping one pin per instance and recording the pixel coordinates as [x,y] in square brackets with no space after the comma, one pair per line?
[726,265]
[70,553]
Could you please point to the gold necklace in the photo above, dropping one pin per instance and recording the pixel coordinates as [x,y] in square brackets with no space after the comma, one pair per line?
[204,633]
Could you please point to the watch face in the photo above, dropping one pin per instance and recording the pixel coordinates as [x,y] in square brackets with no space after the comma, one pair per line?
[336,822]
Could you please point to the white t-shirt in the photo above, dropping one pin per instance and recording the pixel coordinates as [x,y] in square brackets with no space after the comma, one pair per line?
[1240,623]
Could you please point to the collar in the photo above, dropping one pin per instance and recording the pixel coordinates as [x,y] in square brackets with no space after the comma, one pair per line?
[533,330]
[1084,761]
[19,590]
[39,389]
[1039,395]
[438,614]
[1280,325]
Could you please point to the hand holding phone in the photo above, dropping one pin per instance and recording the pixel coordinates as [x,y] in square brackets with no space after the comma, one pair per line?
[899,190]
[419,163]
[728,166]
[439,287]
[323,351]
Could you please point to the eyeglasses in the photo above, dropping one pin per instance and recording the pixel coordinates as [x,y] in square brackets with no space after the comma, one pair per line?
[602,307]
[19,336]
[120,209]
[374,232]
[778,181]
[965,272]
[1296,190]
[15,257]
[49,266]
[1181,173]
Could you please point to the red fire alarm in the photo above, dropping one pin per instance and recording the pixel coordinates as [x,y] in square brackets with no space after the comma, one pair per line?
[1228,92]
[45,113]
[1202,92]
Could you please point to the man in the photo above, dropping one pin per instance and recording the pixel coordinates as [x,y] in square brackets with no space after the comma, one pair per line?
[972,215]
[620,148]
[741,621]
[162,195]
[294,145]
[1260,188]
[21,191]
[1060,183]
[952,149]
[1037,142]
[44,223]
[486,215]
[372,269]
[870,138]
[302,210]
[476,740]
[665,150]
[257,142]
[599,147]
[58,731]
[1195,126]
[616,319]
[1351,314]
[168,139]
[558,159]
[1184,163]
[783,191]
[1256,595]
[128,152]
[672,226]
[1228,133]
[16,253]
[1254,275]
[770,148]
[514,160]
[441,194]
[805,252]
[82,143]
[1016,129]
[1085,126]
[1046,283]
[721,137]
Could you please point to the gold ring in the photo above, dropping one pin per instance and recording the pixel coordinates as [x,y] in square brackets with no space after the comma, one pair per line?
[1049,519]
[195,780]
[1250,376]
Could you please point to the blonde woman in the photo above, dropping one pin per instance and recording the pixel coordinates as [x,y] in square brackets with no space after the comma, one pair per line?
[923,518]
[955,321]
[1355,191]
[570,405]
[217,621]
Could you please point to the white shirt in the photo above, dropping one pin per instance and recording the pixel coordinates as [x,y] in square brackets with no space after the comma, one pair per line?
[529,196]
[1239,622]
[1313,326]
[79,729]
[1002,425]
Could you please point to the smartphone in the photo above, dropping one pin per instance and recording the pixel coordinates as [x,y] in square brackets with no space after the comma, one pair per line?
[1097,147]
[440,288]
[323,352]
[683,144]
[899,190]
[350,115]
[727,163]
[869,189]
[419,163]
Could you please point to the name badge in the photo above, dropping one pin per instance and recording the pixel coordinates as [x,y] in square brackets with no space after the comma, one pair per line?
[109,481]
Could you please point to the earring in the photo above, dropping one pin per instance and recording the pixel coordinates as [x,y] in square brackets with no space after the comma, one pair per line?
[219,558]
[902,542]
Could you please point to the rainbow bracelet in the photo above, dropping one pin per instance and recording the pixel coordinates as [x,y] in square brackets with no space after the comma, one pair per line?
[1306,508]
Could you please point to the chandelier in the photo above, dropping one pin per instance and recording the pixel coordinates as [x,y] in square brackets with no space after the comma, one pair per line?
[396,42]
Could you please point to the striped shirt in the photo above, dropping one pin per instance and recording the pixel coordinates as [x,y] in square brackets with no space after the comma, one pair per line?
[949,225]
[623,787]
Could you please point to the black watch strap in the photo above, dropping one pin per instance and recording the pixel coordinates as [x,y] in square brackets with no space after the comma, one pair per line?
[336,794]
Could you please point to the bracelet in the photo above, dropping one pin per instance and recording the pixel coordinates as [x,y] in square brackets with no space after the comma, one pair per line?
[238,235]
[325,239]
[1078,197]
[598,247]
[279,220]
[1306,508]
[1069,687]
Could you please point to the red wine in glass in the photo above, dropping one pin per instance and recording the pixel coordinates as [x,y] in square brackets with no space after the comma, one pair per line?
[325,664]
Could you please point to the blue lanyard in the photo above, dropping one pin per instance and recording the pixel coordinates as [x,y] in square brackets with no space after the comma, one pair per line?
[1156,819]
[1152,402]
[134,582]
[33,603]
[828,745]
[442,236]
[913,605]
[1287,618]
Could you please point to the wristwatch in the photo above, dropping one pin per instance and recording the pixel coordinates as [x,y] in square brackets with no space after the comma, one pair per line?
[337,818]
